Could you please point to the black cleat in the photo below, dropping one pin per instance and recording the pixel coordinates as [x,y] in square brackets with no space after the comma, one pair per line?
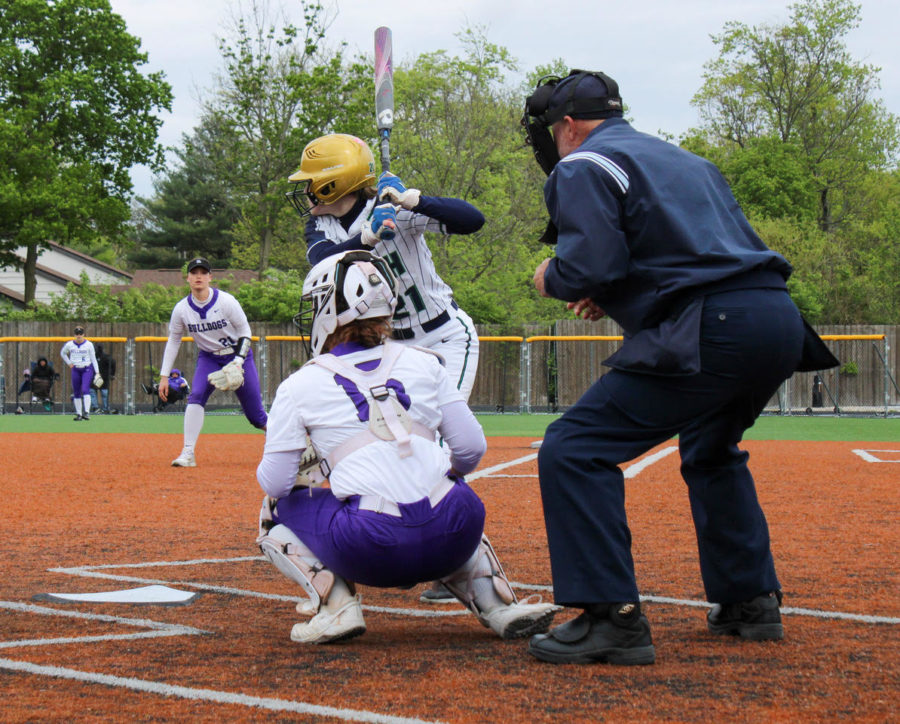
[614,633]
[756,620]
[77,418]
[438,593]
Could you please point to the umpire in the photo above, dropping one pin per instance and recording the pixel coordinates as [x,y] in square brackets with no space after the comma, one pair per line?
[652,236]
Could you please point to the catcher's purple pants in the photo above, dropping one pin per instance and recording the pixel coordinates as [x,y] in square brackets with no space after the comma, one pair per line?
[248,393]
[81,380]
[378,549]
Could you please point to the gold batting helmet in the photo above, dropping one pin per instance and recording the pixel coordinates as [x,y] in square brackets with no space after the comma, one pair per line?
[330,168]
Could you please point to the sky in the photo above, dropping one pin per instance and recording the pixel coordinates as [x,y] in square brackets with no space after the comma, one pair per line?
[655,49]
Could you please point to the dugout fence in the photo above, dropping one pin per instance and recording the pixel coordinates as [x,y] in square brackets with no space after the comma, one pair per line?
[544,370]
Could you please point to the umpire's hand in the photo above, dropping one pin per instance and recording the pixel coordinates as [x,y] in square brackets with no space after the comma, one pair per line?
[539,277]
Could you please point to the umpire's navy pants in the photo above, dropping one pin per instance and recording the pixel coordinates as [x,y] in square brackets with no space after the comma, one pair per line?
[750,341]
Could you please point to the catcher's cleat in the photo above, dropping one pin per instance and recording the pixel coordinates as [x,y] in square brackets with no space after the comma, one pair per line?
[438,593]
[756,620]
[185,460]
[609,633]
[518,620]
[332,626]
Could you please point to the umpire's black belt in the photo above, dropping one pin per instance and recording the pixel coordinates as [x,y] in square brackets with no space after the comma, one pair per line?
[429,326]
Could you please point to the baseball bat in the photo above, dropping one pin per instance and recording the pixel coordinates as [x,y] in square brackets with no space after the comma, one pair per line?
[384,92]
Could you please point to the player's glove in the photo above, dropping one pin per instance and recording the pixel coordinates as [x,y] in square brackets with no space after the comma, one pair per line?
[381,226]
[230,377]
[98,381]
[391,188]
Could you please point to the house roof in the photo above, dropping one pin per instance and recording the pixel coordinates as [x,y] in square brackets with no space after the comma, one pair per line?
[91,261]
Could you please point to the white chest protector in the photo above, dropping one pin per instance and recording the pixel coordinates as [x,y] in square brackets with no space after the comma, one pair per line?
[388,418]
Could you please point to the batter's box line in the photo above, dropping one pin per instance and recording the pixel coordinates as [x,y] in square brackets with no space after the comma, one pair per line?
[630,472]
[815,613]
[94,572]
[158,628]
[870,458]
[211,695]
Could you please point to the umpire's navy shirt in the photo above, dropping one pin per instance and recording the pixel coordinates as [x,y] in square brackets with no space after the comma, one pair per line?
[645,229]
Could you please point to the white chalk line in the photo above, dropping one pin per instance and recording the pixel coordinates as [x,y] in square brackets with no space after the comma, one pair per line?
[90,572]
[155,687]
[869,458]
[629,472]
[790,610]
[158,628]
[281,704]
[219,697]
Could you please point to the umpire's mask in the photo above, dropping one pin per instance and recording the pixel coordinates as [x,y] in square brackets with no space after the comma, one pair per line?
[581,94]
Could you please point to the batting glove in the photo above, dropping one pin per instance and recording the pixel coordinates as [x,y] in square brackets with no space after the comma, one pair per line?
[391,188]
[230,377]
[382,225]
[98,381]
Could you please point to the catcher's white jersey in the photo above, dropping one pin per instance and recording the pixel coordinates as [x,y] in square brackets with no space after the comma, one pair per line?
[80,355]
[331,409]
[216,325]
[422,294]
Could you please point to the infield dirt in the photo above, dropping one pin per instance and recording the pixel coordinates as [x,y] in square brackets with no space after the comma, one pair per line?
[81,500]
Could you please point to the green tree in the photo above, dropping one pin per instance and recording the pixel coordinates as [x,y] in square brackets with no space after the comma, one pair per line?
[75,115]
[457,133]
[769,177]
[280,88]
[193,209]
[797,82]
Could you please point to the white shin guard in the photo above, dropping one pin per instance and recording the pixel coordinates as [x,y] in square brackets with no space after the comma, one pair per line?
[481,583]
[291,556]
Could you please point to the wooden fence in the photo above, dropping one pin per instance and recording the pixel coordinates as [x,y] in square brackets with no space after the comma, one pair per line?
[527,369]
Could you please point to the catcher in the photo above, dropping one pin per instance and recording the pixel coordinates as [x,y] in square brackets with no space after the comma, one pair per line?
[394,515]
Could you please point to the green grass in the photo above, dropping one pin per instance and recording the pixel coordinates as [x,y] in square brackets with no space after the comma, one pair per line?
[767,428]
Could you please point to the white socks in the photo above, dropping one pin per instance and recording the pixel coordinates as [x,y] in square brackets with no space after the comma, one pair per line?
[193,423]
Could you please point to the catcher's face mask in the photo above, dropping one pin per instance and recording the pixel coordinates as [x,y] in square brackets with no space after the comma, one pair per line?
[340,289]
[539,116]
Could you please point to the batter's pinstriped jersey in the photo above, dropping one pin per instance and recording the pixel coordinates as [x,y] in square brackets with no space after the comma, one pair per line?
[216,325]
[81,355]
[423,295]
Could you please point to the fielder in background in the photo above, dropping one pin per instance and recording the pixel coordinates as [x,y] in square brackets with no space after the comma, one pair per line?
[393,515]
[79,354]
[652,236]
[221,332]
[336,188]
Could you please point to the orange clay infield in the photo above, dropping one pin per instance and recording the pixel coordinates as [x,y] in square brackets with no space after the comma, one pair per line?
[111,510]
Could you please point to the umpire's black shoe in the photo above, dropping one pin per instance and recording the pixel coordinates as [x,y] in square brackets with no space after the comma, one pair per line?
[612,633]
[756,620]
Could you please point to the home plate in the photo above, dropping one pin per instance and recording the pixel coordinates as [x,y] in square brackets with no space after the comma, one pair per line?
[145,594]
[536,443]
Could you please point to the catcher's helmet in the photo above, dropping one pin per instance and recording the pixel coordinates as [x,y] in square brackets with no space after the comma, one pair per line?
[342,288]
[330,168]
